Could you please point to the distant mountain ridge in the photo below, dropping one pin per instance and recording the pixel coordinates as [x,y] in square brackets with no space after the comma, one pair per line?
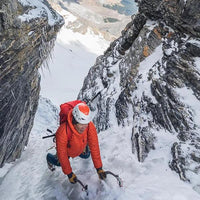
[102,17]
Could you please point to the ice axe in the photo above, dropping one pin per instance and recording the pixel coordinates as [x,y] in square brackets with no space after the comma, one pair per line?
[84,187]
[52,135]
[116,176]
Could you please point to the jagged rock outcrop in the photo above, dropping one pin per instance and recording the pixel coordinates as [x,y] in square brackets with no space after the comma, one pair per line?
[149,79]
[27,34]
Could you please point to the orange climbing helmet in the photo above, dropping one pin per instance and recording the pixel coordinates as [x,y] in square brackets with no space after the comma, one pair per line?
[82,114]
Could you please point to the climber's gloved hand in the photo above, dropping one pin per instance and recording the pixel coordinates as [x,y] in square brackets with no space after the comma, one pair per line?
[72,178]
[101,173]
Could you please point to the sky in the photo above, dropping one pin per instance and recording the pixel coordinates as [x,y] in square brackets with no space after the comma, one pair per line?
[28,178]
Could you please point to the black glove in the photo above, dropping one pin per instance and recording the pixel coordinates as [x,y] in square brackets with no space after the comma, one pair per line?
[72,178]
[101,173]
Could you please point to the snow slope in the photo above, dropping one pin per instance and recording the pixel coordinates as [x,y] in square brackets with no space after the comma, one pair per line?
[29,177]
[72,57]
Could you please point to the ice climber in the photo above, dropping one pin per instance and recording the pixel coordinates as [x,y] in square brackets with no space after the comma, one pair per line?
[76,136]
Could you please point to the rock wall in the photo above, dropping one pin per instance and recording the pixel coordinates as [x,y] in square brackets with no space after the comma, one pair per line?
[26,39]
[144,77]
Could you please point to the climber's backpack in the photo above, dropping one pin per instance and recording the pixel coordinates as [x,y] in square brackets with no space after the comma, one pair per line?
[65,108]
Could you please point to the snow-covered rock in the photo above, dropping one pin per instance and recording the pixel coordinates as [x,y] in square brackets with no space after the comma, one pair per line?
[149,79]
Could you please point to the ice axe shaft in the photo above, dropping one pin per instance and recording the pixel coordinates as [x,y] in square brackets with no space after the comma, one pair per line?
[116,176]
[48,136]
[52,135]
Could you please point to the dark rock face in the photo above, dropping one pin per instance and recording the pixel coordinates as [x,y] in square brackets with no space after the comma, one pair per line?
[144,78]
[24,45]
[181,14]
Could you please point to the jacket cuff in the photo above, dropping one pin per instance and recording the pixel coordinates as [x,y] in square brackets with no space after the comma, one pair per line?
[70,175]
[100,168]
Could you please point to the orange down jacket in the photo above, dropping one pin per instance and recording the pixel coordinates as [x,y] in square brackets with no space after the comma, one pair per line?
[77,144]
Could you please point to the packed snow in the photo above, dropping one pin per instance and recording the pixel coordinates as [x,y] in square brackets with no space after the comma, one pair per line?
[73,55]
[190,100]
[197,62]
[28,178]
[144,84]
